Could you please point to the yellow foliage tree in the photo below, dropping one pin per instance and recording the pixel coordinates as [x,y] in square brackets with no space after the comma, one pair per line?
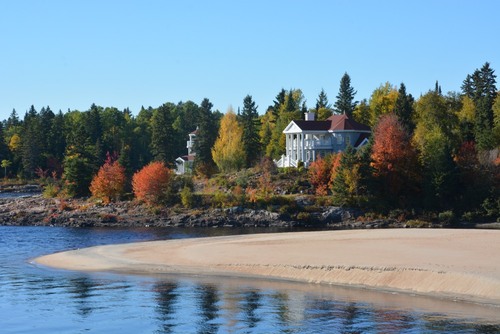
[228,151]
[382,101]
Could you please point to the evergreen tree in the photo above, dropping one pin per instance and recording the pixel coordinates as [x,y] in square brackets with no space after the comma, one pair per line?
[345,103]
[322,101]
[278,103]
[481,88]
[31,143]
[205,138]
[290,103]
[249,120]
[162,134]
[404,109]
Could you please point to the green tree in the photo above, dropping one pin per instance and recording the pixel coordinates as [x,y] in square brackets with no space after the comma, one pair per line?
[322,101]
[481,88]
[249,120]
[362,112]
[346,185]
[228,151]
[6,164]
[435,139]
[205,138]
[162,134]
[403,109]
[345,103]
[31,143]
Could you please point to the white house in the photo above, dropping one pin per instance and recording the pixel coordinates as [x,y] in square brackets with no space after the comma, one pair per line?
[184,164]
[307,139]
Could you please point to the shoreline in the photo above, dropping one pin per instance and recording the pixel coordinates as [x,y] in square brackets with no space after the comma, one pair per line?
[451,264]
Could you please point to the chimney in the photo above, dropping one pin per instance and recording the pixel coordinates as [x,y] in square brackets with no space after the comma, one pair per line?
[309,116]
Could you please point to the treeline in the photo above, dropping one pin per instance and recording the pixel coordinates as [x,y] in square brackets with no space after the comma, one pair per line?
[441,154]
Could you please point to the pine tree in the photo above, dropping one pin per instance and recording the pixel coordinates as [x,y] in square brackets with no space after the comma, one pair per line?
[205,138]
[162,134]
[481,88]
[345,103]
[404,109]
[322,101]
[32,143]
[249,119]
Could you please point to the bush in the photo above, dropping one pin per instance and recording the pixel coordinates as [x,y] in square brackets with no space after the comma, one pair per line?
[187,197]
[51,190]
[151,184]
[447,217]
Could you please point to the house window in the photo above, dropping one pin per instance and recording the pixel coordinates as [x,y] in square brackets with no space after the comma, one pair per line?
[347,140]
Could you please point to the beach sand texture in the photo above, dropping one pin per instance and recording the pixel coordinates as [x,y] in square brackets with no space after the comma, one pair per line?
[457,264]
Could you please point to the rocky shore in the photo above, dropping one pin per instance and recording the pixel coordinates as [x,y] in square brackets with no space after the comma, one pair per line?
[25,206]
[29,208]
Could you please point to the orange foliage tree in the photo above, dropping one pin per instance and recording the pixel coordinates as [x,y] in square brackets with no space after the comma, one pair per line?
[394,160]
[109,183]
[151,183]
[320,174]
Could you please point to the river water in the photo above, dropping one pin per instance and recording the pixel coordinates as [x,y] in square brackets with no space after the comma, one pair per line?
[35,299]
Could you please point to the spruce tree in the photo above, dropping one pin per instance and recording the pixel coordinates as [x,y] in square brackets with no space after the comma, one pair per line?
[404,109]
[345,103]
[249,119]
[481,88]
[205,138]
[162,134]
[322,101]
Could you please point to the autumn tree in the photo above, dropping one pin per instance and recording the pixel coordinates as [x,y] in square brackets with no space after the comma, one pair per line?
[382,101]
[362,112]
[320,173]
[151,184]
[394,161]
[109,183]
[345,103]
[249,120]
[228,152]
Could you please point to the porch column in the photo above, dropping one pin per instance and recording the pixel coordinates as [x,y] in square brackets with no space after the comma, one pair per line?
[303,157]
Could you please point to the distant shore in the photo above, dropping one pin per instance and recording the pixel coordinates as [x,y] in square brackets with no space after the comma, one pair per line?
[453,264]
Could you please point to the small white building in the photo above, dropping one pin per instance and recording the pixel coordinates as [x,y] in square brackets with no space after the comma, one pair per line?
[308,139]
[184,164]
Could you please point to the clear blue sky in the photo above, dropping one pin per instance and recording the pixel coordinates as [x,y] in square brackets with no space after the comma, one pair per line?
[70,54]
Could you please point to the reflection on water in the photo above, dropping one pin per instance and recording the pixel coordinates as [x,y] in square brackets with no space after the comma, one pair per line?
[39,300]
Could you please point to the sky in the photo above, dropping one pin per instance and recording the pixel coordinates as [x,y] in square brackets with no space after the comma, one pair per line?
[70,54]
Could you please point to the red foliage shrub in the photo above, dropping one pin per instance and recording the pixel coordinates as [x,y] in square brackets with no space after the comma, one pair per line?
[151,183]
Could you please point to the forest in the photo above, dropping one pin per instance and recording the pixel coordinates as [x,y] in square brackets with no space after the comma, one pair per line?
[433,153]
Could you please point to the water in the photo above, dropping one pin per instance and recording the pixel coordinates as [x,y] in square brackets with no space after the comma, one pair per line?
[34,299]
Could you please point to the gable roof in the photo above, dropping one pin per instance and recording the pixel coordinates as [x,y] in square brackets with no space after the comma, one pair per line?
[332,123]
[343,122]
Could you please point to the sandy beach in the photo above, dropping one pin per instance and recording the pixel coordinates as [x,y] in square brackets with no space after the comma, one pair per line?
[456,264]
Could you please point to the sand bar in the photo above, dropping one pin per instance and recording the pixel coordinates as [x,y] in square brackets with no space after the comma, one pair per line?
[457,264]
